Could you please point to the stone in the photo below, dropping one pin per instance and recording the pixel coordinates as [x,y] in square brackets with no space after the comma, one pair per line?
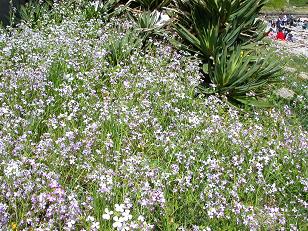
[290,69]
[285,93]
[303,76]
[163,18]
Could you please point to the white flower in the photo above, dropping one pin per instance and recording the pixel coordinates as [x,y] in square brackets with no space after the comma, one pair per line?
[141,218]
[96,5]
[95,226]
[90,218]
[12,169]
[117,222]
[285,93]
[119,208]
[70,224]
[122,219]
[107,214]
[126,215]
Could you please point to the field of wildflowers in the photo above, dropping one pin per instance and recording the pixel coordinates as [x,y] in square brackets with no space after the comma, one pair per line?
[95,140]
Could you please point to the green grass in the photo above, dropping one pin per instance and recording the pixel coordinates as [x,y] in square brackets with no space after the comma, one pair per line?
[293,81]
[282,3]
[294,6]
[298,2]
[277,4]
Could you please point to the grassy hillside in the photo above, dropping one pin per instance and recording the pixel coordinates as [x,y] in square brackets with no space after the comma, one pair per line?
[279,3]
[295,6]
[299,2]
[99,131]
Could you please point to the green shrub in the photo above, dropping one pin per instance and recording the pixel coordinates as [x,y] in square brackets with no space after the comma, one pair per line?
[238,75]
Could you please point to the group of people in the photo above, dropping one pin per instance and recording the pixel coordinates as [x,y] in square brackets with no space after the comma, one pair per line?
[280,29]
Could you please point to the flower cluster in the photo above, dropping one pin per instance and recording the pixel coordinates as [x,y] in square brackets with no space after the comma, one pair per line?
[122,219]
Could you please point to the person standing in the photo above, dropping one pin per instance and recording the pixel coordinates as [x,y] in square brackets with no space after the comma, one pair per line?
[284,20]
[279,22]
[305,25]
[280,35]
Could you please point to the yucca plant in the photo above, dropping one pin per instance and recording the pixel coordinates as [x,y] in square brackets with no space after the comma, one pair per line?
[147,20]
[148,24]
[220,32]
[103,9]
[120,48]
[33,10]
[231,15]
[238,75]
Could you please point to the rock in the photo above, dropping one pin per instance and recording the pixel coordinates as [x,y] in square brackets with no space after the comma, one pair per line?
[163,18]
[285,93]
[303,76]
[290,69]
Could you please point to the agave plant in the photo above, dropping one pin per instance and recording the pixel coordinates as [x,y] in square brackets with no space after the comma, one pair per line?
[219,32]
[32,11]
[149,23]
[227,15]
[147,20]
[120,48]
[238,75]
[103,8]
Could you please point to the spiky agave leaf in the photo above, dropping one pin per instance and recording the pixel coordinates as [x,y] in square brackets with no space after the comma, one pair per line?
[120,48]
[227,14]
[149,24]
[221,33]
[237,75]
[147,20]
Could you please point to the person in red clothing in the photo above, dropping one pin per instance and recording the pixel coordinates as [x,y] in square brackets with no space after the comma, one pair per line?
[280,36]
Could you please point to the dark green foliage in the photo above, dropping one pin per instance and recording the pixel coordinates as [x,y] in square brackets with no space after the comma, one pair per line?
[103,9]
[228,16]
[33,11]
[153,4]
[9,11]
